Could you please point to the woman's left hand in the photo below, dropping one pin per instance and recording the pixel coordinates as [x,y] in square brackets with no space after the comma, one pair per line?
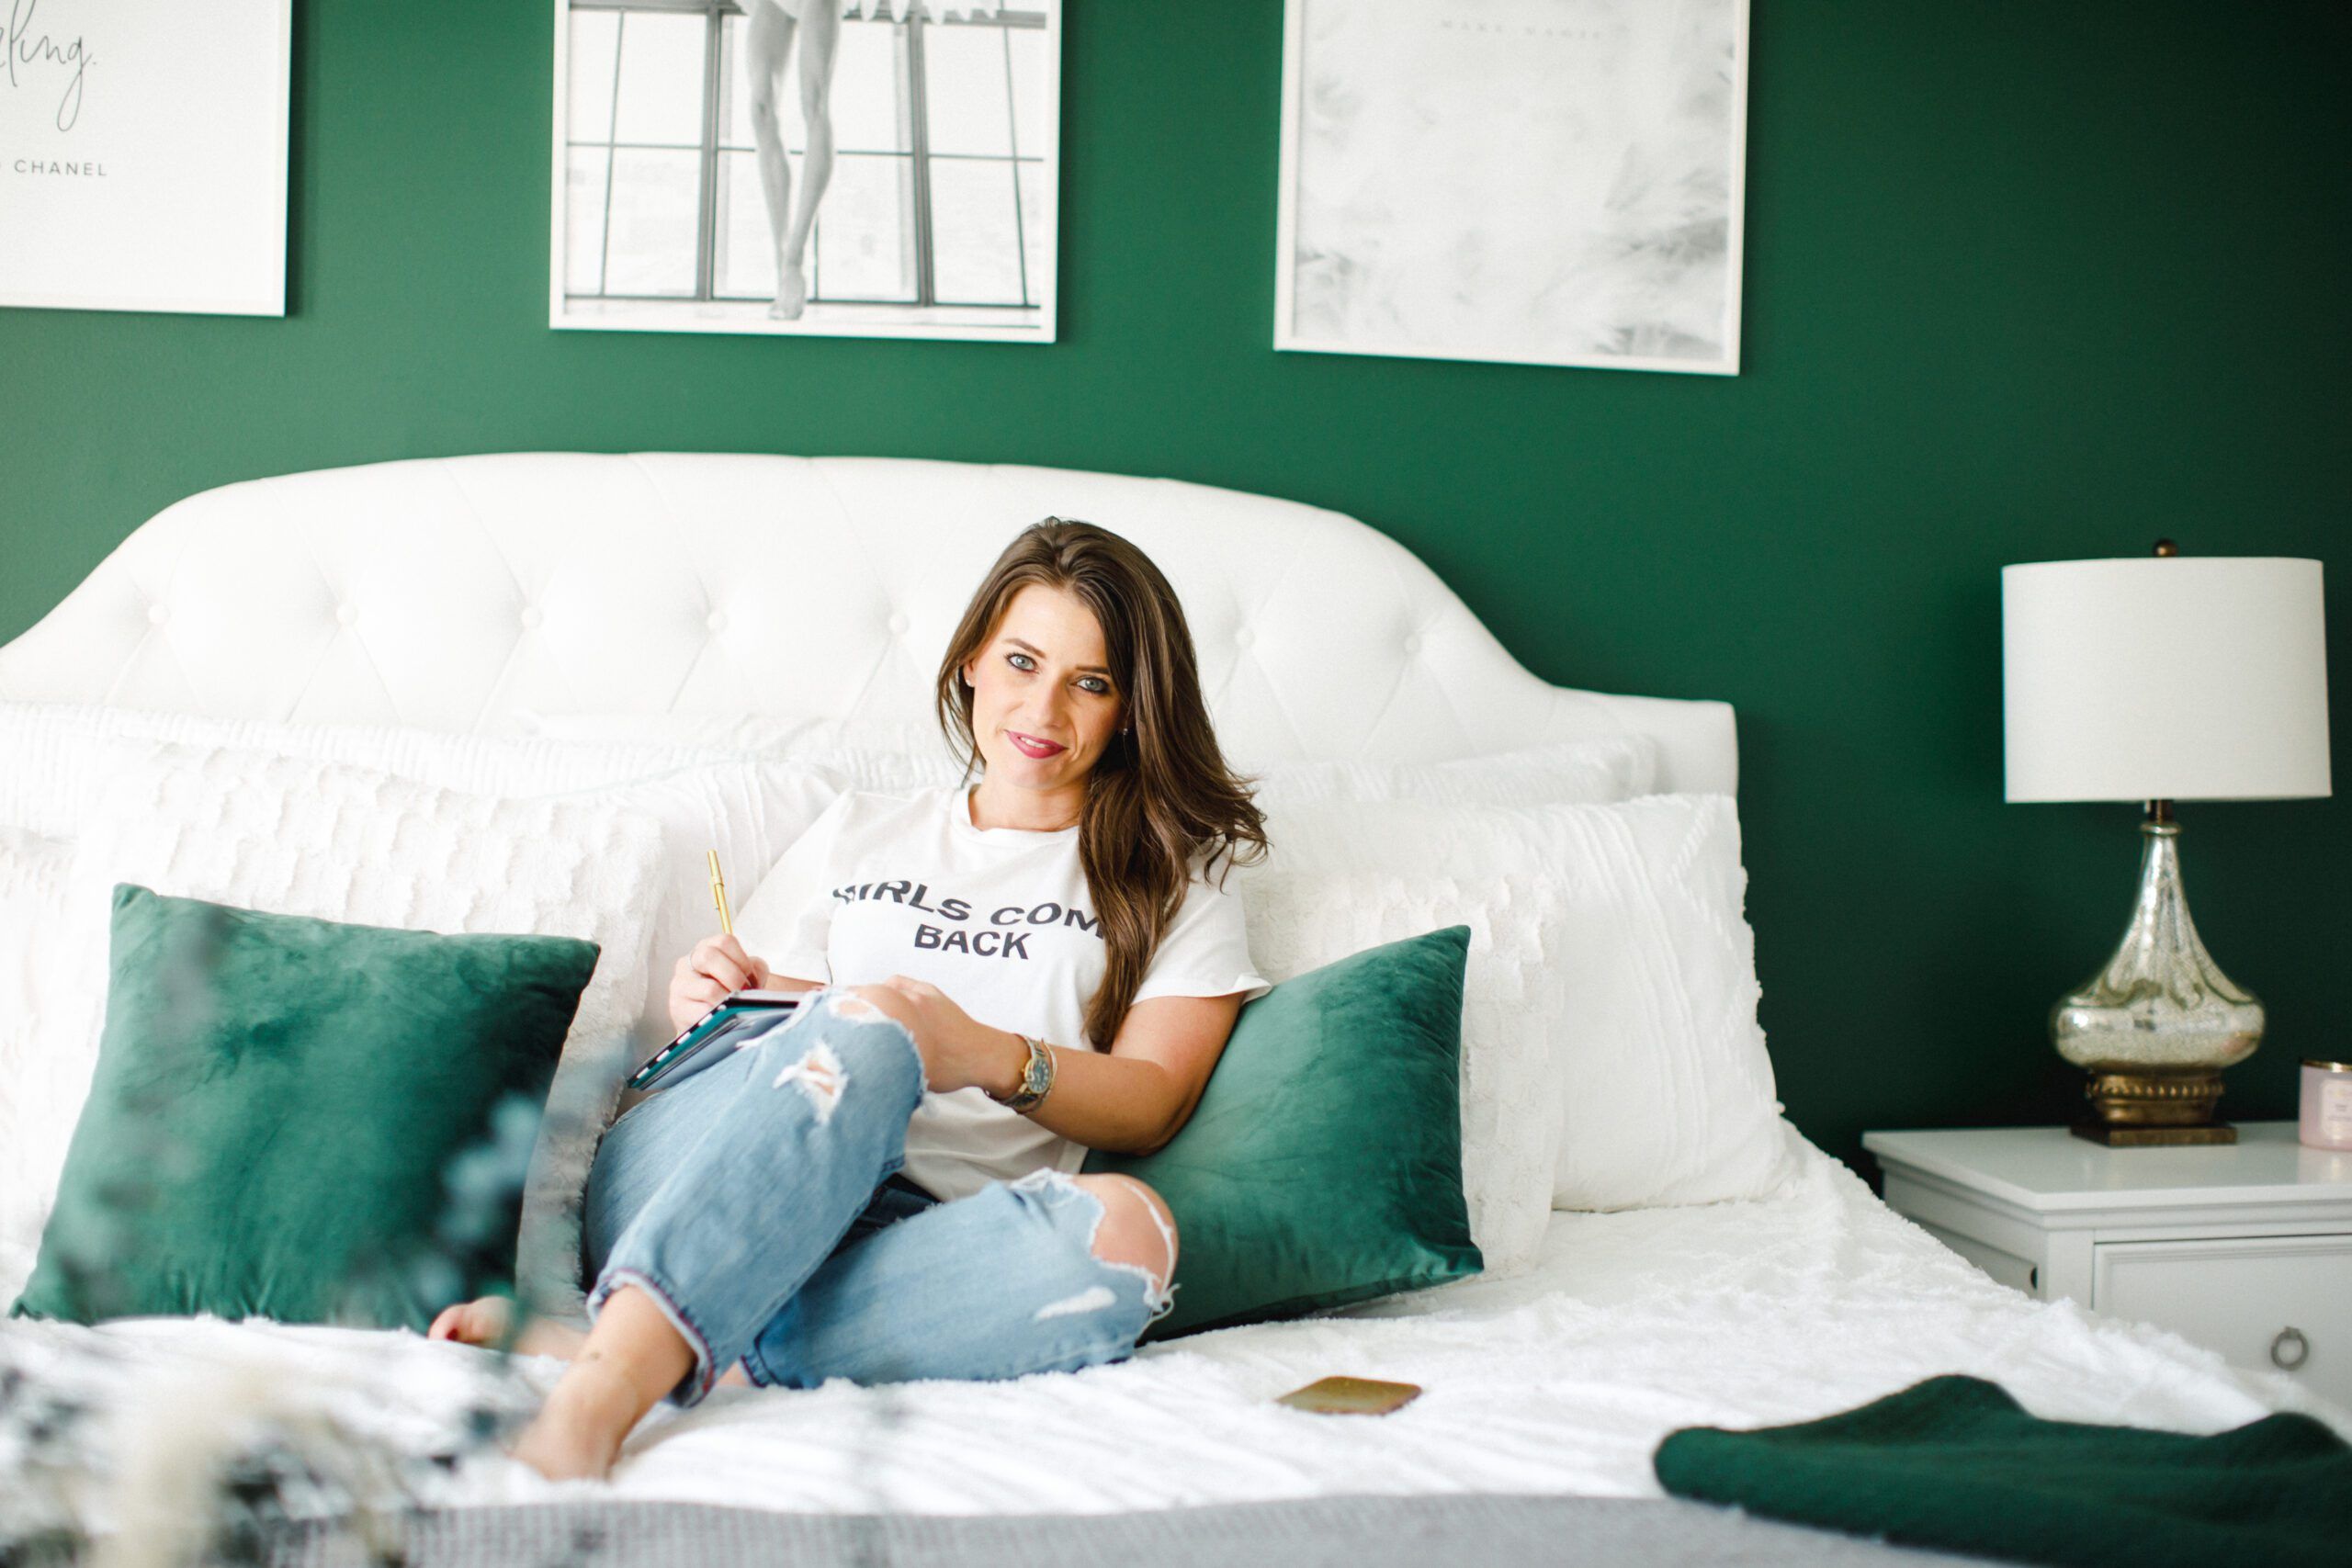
[961,1051]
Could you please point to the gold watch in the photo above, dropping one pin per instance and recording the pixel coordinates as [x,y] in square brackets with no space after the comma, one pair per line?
[1036,1078]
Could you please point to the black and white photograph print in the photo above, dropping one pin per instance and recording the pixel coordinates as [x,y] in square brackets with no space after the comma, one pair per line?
[143,155]
[847,168]
[1547,182]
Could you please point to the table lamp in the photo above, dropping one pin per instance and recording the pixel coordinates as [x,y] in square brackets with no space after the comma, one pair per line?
[2158,678]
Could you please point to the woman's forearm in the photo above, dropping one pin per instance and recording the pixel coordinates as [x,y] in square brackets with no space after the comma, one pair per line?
[1119,1103]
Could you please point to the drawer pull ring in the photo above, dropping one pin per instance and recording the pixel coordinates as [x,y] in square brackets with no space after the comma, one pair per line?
[2290,1342]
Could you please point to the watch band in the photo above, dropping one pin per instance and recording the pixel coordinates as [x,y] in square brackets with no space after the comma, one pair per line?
[1036,1078]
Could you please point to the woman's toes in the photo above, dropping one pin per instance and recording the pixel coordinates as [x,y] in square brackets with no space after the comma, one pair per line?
[482,1321]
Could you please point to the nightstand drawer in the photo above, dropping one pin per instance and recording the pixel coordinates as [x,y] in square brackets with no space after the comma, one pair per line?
[2282,1301]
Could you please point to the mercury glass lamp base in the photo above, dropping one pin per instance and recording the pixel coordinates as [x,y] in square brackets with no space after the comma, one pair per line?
[2158,1022]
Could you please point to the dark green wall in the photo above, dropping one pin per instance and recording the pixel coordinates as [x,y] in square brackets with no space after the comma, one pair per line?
[2024,282]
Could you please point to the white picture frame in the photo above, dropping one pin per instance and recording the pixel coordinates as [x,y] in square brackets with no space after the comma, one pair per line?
[918,237]
[1445,194]
[143,155]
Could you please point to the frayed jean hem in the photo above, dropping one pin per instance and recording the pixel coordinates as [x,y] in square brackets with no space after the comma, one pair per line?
[696,1386]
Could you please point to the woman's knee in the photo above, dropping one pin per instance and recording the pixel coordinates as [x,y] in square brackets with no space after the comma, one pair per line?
[827,1061]
[864,1001]
[1137,1228]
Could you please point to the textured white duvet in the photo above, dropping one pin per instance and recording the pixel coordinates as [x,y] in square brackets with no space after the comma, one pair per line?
[1562,1378]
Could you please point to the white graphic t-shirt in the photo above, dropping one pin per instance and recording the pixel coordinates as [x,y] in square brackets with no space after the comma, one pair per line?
[1000,920]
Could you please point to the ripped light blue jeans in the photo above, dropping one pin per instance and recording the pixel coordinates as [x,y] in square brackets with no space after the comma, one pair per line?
[758,1204]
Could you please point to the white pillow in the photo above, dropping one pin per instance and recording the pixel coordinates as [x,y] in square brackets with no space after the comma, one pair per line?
[895,758]
[299,837]
[59,754]
[33,872]
[750,809]
[1301,919]
[1605,768]
[890,758]
[1661,1086]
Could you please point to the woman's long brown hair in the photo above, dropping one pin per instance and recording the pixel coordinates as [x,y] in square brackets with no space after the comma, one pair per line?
[1159,796]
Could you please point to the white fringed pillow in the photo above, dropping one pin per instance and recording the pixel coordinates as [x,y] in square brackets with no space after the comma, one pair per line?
[1660,1089]
[60,754]
[750,809]
[299,837]
[33,871]
[1301,919]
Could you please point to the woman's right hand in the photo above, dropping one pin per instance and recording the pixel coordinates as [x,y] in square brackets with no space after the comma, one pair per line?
[716,968]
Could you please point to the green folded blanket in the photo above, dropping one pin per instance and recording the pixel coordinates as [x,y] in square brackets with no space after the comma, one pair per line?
[1954,1462]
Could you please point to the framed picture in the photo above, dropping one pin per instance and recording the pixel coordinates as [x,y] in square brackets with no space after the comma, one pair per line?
[1546,181]
[142,155]
[845,168]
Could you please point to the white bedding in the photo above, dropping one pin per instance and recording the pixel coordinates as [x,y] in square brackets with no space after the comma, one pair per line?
[1560,1379]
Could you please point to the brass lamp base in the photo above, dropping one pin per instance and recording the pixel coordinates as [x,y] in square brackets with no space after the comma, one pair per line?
[2136,1110]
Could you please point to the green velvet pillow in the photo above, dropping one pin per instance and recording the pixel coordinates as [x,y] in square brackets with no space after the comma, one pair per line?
[303,1120]
[1323,1164]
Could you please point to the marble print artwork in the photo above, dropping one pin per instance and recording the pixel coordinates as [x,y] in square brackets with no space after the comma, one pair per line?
[1545,181]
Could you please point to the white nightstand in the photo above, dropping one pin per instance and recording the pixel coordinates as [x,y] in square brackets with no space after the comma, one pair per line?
[2244,1248]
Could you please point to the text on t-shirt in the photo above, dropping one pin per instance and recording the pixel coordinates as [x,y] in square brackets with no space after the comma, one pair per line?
[1001,940]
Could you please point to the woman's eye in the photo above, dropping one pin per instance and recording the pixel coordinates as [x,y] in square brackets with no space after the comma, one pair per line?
[1095,684]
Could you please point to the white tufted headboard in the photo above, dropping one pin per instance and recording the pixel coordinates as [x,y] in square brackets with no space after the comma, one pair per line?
[447,593]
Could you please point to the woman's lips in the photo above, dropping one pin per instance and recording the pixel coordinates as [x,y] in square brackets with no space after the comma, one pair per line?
[1032,748]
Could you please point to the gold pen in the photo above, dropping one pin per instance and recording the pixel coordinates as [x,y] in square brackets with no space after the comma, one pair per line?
[718,896]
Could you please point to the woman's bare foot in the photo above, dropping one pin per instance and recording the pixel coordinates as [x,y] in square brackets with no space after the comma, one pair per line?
[487,1321]
[484,1322]
[578,1433]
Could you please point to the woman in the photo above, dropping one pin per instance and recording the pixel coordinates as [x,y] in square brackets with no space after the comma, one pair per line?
[885,1186]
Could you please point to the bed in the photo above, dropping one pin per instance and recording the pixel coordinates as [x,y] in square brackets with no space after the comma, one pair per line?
[474,595]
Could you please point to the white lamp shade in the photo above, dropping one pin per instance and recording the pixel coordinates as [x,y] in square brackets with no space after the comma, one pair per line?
[2164,678]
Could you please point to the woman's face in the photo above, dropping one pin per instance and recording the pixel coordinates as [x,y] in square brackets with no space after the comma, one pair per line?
[1043,705]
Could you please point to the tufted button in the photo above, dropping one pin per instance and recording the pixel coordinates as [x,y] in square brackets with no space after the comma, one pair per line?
[1244,637]
[531,617]
[345,614]
[718,621]
[1413,643]
[897,622]
[157,614]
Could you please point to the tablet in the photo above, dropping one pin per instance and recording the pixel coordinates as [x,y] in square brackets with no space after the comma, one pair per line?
[740,1018]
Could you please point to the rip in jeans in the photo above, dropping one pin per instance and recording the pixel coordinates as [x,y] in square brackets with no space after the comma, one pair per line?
[1159,1299]
[821,1077]
[819,1073]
